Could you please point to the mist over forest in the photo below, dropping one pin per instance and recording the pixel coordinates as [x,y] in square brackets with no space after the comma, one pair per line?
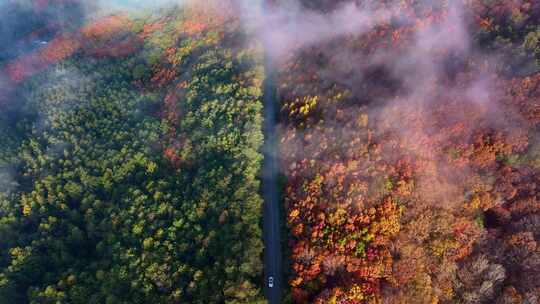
[132,144]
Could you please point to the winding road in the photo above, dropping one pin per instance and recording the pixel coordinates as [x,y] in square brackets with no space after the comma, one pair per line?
[271,225]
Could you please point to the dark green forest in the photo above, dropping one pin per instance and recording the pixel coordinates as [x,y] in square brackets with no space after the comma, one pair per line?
[108,196]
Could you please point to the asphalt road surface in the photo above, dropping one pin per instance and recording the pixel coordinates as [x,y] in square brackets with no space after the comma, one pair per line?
[271,226]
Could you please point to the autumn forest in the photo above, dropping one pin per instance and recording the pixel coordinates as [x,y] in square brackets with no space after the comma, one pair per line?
[132,148]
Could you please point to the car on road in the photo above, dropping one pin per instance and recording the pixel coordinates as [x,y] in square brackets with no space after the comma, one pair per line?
[40,42]
[270,282]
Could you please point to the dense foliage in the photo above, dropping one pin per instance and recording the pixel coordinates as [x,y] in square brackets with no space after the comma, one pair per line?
[130,151]
[129,160]
[412,154]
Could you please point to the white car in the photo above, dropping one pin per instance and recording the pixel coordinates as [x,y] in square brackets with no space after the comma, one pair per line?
[270,282]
